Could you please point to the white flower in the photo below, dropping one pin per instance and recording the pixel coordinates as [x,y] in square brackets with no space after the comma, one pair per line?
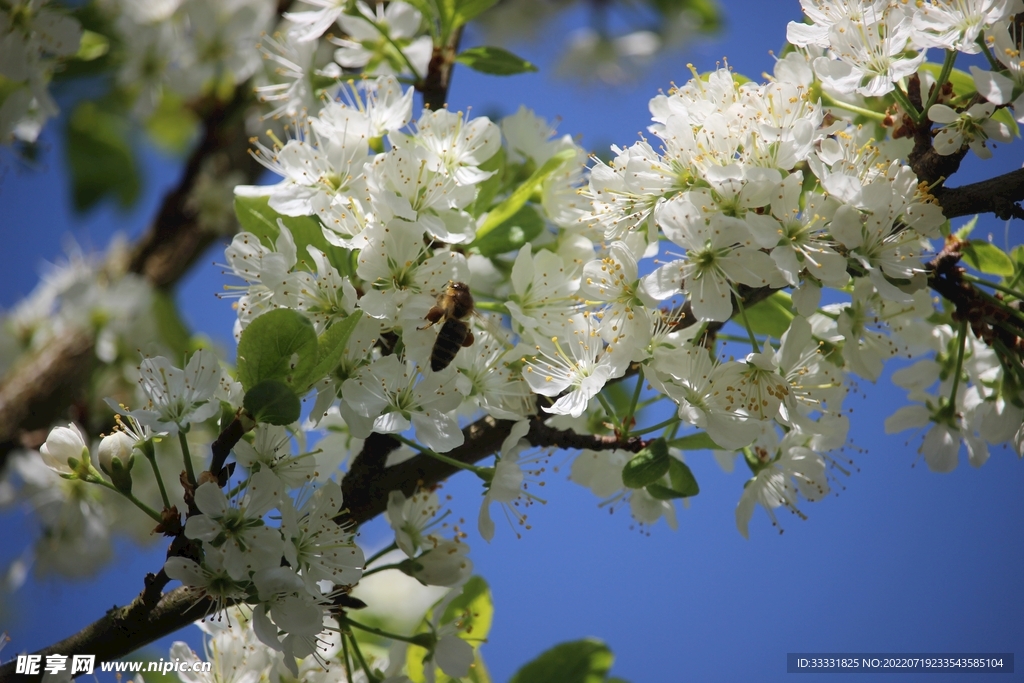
[177,398]
[453,146]
[238,534]
[312,24]
[383,41]
[388,392]
[719,252]
[875,48]
[583,370]
[507,479]
[972,127]
[444,564]
[784,470]
[271,451]
[317,545]
[957,24]
[410,518]
[542,287]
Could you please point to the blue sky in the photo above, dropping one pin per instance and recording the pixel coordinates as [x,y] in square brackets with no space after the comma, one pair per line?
[898,559]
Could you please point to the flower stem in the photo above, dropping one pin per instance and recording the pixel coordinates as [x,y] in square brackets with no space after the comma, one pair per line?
[628,420]
[189,472]
[947,68]
[996,66]
[746,324]
[376,556]
[345,657]
[382,568]
[867,113]
[904,101]
[378,632]
[653,428]
[608,409]
[362,661]
[387,36]
[151,457]
[959,366]
[138,503]
[1005,290]
[479,471]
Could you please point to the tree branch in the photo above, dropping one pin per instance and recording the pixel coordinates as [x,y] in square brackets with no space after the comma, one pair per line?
[36,391]
[1000,195]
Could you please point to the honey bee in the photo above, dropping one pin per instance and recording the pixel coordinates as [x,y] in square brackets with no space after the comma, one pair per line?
[454,303]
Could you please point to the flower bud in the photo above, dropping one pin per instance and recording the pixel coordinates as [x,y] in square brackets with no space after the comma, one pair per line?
[63,443]
[116,446]
[116,456]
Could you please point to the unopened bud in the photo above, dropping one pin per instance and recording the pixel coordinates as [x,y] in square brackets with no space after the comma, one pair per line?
[62,444]
[117,456]
[117,446]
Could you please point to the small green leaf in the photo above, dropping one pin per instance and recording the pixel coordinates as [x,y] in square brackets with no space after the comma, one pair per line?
[272,401]
[580,661]
[684,484]
[987,258]
[511,235]
[647,466]
[93,46]
[695,442]
[508,208]
[172,125]
[280,344]
[771,316]
[488,189]
[965,231]
[331,347]
[99,156]
[467,10]
[474,610]
[494,61]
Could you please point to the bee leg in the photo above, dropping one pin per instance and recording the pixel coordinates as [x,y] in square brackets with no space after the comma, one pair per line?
[468,341]
[433,315]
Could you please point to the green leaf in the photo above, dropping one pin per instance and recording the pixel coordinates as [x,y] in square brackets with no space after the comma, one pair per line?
[684,484]
[695,442]
[488,189]
[520,228]
[580,661]
[494,61]
[272,401]
[467,10]
[771,316]
[172,125]
[99,156]
[964,232]
[511,205]
[280,344]
[987,258]
[963,82]
[255,215]
[474,610]
[93,46]
[647,466]
[331,347]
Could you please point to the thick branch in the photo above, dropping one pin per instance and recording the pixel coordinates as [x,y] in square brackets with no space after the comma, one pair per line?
[1000,195]
[39,390]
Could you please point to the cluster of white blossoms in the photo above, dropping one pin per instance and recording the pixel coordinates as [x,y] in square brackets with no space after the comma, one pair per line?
[769,217]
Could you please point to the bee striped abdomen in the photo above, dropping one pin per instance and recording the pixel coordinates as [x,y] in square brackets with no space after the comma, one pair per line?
[450,339]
